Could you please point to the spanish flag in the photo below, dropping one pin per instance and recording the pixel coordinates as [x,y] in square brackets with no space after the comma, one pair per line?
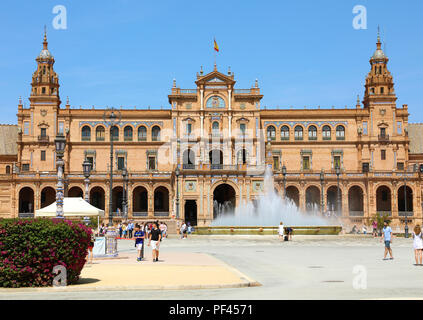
[216,47]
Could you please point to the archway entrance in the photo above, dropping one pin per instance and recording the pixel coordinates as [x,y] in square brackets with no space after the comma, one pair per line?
[383,200]
[117,200]
[75,192]
[140,202]
[355,201]
[313,199]
[161,202]
[332,200]
[191,212]
[405,202]
[293,194]
[26,200]
[48,196]
[97,197]
[223,200]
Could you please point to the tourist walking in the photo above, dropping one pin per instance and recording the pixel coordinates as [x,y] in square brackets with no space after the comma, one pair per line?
[124,230]
[90,247]
[154,240]
[281,231]
[130,229]
[418,245]
[183,230]
[139,241]
[189,228]
[387,238]
[374,226]
[163,229]
[120,230]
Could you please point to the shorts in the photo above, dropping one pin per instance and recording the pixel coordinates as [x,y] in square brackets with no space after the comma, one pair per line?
[155,244]
[388,244]
[139,246]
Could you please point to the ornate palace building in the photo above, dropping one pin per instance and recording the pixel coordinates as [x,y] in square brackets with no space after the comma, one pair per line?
[220,139]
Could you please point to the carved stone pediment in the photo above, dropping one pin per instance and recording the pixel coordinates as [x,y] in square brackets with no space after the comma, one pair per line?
[43,124]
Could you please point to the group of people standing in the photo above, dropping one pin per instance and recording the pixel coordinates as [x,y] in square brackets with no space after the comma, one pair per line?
[285,233]
[185,229]
[154,234]
[126,230]
[417,243]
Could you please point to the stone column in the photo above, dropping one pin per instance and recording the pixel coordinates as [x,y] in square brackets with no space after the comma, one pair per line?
[129,204]
[151,203]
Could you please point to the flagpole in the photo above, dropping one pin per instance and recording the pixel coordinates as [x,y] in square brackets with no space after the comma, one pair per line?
[214,52]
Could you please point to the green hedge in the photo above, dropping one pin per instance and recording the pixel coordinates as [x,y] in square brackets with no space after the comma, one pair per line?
[30,248]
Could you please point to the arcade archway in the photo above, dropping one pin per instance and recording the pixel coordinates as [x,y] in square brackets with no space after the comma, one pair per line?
[224,200]
[313,198]
[97,197]
[75,192]
[26,200]
[293,194]
[48,196]
[191,212]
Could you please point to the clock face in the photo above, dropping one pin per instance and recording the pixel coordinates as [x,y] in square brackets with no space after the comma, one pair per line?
[215,102]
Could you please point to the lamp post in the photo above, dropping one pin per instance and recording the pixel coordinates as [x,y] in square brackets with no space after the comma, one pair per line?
[322,179]
[338,200]
[177,191]
[284,181]
[125,192]
[87,167]
[405,204]
[60,144]
[112,121]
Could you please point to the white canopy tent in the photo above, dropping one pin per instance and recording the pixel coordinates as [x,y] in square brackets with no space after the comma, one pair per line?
[72,207]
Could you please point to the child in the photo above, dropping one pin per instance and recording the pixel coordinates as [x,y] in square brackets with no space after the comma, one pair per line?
[139,241]
[281,231]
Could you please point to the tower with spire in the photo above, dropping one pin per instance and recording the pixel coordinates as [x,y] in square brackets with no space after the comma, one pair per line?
[45,82]
[379,85]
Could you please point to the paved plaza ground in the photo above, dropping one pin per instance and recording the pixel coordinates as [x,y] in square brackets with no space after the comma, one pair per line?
[309,267]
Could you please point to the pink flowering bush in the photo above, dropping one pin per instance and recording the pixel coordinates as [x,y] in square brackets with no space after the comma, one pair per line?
[30,248]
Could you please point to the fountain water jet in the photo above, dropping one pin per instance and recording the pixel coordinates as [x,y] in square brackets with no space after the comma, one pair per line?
[269,210]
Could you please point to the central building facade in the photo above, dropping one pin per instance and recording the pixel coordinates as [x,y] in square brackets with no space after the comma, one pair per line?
[209,150]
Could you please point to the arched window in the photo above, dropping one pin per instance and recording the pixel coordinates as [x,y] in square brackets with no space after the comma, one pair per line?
[340,133]
[99,133]
[155,133]
[7,169]
[86,133]
[127,133]
[215,128]
[114,133]
[326,133]
[142,133]
[188,160]
[242,156]
[298,132]
[312,133]
[271,133]
[285,133]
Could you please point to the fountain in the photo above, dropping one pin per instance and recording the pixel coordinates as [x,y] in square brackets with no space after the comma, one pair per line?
[264,215]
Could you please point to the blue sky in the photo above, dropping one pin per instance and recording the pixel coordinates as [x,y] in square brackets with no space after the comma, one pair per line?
[126,52]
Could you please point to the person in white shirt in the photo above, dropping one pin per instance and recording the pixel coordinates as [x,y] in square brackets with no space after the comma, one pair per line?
[418,244]
[281,231]
[183,230]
